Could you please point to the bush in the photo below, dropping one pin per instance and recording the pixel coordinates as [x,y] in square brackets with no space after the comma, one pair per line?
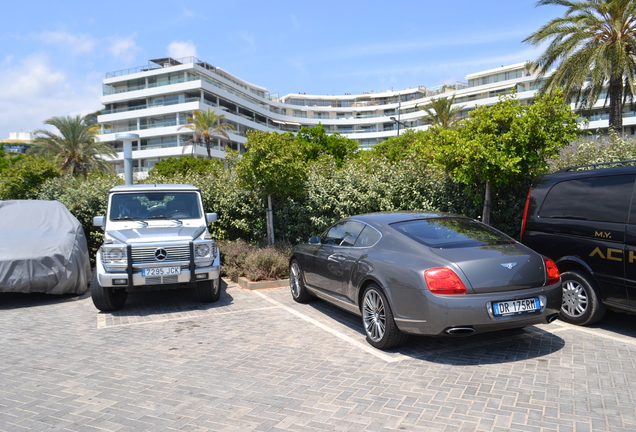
[266,264]
[23,179]
[606,148]
[359,187]
[185,164]
[241,259]
[84,199]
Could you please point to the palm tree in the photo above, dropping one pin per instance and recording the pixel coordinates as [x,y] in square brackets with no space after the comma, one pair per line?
[206,125]
[440,112]
[593,47]
[74,149]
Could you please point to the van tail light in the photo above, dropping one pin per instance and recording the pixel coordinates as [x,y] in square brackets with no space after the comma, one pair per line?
[554,275]
[444,281]
[524,219]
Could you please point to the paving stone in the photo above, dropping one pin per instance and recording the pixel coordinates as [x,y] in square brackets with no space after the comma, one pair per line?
[258,361]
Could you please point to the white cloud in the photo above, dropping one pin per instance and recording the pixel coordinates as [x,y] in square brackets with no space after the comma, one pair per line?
[249,39]
[187,14]
[33,90]
[7,60]
[471,64]
[77,44]
[124,48]
[179,49]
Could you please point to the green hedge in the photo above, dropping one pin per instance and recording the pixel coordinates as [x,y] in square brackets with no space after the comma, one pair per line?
[328,195]
[84,199]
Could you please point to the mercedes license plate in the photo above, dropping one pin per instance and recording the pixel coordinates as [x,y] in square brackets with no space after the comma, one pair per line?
[513,307]
[161,271]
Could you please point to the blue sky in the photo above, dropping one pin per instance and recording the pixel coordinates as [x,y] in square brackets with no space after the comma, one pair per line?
[54,55]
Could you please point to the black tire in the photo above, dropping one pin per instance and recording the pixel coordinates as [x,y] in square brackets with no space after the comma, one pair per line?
[377,319]
[581,299]
[106,298]
[296,283]
[209,291]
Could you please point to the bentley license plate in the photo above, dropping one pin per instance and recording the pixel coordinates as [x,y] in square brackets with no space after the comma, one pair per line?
[161,271]
[513,307]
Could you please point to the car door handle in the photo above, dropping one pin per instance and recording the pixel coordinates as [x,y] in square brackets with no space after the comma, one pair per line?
[337,258]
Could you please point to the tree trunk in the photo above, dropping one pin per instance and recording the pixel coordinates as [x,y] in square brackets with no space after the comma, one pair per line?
[485,216]
[270,221]
[208,143]
[616,104]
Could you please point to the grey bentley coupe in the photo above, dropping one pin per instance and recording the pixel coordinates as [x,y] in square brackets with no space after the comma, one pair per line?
[427,274]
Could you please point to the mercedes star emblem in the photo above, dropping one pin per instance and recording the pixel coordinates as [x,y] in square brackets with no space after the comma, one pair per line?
[161,254]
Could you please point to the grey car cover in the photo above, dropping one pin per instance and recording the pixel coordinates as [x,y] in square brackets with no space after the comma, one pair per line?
[42,249]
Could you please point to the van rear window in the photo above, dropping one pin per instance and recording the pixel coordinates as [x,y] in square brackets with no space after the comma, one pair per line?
[604,199]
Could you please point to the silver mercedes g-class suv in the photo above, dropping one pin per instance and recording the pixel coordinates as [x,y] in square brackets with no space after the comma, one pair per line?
[155,237]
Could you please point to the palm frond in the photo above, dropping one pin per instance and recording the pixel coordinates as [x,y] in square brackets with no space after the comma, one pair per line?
[207,125]
[74,147]
[441,113]
[591,49]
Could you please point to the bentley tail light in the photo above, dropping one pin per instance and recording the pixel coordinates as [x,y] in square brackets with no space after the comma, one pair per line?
[553,271]
[444,281]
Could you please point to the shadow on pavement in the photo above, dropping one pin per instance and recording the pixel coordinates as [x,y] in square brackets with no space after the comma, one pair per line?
[486,348]
[24,300]
[146,303]
[617,322]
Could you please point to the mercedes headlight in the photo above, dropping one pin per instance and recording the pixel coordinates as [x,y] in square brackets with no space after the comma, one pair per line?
[203,250]
[114,255]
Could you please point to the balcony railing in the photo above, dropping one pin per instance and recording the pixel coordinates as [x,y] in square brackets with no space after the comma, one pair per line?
[152,105]
[154,125]
[109,90]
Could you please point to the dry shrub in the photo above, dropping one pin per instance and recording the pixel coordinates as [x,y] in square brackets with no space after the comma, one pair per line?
[266,264]
[241,259]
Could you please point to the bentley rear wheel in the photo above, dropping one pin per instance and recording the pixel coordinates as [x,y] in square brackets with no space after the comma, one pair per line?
[377,318]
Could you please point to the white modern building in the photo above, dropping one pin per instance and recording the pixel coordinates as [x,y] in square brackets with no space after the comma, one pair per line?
[18,142]
[153,102]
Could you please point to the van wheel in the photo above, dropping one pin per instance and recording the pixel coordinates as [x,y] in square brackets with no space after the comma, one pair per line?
[106,298]
[581,299]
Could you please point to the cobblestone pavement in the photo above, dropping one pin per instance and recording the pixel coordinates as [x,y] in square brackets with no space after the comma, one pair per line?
[257,361]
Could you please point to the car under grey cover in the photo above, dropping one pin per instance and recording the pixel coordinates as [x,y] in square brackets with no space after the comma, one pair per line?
[43,249]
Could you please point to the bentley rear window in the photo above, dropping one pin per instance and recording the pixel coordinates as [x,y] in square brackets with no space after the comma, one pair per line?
[451,232]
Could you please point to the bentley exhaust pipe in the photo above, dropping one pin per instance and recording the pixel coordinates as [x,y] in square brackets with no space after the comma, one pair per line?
[552,318]
[459,331]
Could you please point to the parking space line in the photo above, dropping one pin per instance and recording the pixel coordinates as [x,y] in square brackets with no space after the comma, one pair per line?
[364,346]
[593,331]
[101,318]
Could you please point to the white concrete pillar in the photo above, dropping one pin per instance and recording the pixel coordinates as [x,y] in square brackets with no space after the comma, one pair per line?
[127,139]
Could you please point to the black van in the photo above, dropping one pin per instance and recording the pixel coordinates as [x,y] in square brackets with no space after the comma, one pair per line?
[584,218]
